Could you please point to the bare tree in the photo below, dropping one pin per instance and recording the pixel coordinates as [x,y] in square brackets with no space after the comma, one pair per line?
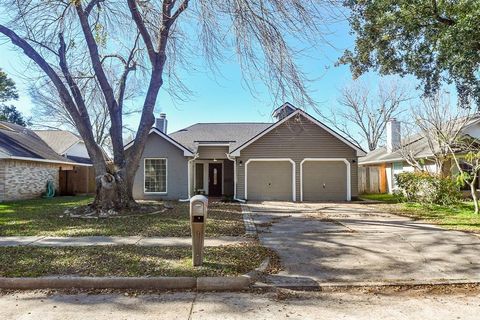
[437,125]
[73,42]
[366,113]
[49,111]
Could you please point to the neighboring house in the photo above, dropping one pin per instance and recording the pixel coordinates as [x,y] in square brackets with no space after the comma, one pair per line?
[27,163]
[81,179]
[297,158]
[377,170]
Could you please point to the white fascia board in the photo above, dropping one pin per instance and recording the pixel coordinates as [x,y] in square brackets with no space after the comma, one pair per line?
[50,161]
[186,152]
[360,152]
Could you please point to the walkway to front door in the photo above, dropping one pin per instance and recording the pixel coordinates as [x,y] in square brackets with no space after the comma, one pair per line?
[215,179]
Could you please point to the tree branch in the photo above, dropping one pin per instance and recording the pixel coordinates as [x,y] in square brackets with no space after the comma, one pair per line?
[147,40]
[91,5]
[439,18]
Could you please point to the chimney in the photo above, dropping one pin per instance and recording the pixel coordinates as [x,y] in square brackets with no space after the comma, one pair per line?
[394,136]
[161,123]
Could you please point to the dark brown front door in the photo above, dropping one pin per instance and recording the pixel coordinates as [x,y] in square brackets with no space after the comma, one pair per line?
[215,179]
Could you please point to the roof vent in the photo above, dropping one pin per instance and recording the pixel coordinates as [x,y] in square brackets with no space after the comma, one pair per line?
[283,111]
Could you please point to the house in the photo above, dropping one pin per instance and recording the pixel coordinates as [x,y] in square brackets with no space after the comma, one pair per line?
[27,163]
[81,179]
[296,158]
[377,170]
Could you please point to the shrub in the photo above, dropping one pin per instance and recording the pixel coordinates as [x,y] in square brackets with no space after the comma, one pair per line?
[427,189]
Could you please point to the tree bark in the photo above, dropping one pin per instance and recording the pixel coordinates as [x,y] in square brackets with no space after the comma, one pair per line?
[474,196]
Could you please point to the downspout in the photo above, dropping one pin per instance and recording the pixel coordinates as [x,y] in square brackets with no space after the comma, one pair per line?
[234,178]
[189,179]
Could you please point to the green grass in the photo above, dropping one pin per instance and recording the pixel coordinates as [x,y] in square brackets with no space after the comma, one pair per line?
[129,261]
[45,217]
[382,197]
[455,217]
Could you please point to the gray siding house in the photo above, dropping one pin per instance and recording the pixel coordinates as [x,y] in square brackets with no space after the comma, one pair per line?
[296,158]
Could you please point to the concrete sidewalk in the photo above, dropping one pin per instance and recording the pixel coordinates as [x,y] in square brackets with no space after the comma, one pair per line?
[114,241]
[237,306]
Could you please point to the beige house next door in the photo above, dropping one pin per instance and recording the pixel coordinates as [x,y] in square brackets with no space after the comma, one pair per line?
[270,180]
[324,180]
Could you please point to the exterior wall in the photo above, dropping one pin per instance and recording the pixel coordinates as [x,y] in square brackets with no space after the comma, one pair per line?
[177,170]
[297,140]
[78,150]
[26,179]
[228,178]
[212,152]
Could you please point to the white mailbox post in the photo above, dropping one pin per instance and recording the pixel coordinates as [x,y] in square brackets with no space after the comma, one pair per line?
[198,218]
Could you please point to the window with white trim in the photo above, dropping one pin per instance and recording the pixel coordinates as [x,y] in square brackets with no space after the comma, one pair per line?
[155,173]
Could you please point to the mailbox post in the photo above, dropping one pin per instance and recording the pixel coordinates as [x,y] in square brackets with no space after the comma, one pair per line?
[198,218]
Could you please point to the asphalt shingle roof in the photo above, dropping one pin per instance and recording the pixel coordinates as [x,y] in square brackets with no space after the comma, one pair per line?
[234,134]
[18,141]
[58,140]
[416,144]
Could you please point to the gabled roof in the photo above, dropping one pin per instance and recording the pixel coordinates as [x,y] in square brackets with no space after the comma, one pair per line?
[227,134]
[186,151]
[17,142]
[59,140]
[360,151]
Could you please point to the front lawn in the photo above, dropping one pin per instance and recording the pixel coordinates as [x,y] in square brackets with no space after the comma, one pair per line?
[455,217]
[130,261]
[45,217]
[382,197]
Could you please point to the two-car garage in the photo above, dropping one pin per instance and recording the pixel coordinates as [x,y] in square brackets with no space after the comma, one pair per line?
[319,179]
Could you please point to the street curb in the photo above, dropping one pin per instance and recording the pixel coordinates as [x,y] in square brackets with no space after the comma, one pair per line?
[236,283]
[345,286]
[99,283]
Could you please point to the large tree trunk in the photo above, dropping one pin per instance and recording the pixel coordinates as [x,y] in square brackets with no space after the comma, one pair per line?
[113,192]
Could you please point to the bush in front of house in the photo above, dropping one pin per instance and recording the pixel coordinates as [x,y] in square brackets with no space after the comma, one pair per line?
[425,188]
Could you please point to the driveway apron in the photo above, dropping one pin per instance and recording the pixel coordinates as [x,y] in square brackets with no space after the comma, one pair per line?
[352,242]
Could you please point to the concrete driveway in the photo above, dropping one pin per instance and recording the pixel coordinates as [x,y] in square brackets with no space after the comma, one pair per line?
[351,242]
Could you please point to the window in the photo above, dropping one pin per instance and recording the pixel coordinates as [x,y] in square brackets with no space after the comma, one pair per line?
[155,175]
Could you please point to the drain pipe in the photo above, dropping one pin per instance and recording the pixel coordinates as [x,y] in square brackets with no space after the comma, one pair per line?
[234,178]
[189,171]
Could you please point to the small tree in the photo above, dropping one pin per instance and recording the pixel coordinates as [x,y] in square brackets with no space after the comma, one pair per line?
[437,125]
[8,91]
[12,115]
[466,155]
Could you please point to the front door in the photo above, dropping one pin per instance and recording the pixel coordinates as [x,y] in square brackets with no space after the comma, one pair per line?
[215,179]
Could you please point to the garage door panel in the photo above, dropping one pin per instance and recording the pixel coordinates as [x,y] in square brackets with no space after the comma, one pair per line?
[269,180]
[324,181]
